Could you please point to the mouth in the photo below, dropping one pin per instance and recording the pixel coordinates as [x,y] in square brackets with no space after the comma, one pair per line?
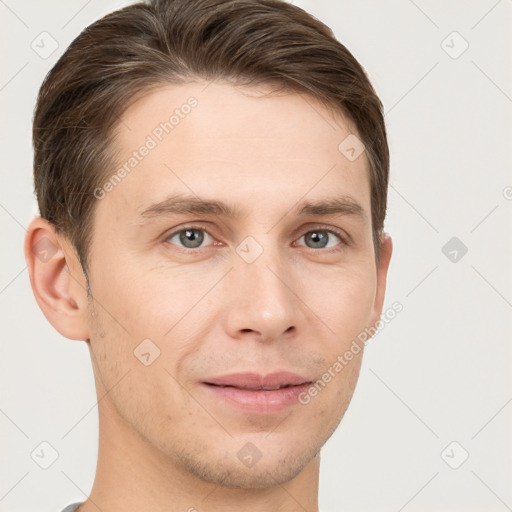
[257,388]
[257,394]
[258,381]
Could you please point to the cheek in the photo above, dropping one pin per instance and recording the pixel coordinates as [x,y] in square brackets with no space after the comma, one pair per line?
[334,393]
[344,301]
[139,303]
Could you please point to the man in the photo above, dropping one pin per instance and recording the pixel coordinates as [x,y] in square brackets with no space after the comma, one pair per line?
[212,179]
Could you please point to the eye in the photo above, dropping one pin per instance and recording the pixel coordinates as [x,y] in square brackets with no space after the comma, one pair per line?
[322,239]
[189,237]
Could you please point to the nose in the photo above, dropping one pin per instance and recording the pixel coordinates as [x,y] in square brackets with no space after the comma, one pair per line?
[262,301]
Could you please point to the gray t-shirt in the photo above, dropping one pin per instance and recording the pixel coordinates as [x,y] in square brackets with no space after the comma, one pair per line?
[72,507]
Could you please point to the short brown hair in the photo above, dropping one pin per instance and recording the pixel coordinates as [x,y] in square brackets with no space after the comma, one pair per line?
[127,52]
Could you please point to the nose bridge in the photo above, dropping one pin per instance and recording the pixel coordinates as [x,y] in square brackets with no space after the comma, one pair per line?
[261,300]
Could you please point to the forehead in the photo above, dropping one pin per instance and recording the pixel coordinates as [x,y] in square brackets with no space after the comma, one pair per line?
[240,145]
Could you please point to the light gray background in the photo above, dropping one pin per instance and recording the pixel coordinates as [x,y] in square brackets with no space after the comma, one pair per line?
[439,372]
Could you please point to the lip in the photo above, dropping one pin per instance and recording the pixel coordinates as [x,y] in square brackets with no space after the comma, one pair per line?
[258,381]
[246,392]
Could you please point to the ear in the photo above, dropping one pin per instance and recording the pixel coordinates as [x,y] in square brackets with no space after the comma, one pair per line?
[386,248]
[57,279]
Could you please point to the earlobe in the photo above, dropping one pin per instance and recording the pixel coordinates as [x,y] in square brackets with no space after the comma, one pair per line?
[386,250]
[56,279]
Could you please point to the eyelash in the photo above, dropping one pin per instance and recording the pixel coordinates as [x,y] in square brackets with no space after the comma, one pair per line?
[333,231]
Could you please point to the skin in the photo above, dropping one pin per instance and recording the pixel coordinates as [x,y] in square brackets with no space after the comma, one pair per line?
[164,443]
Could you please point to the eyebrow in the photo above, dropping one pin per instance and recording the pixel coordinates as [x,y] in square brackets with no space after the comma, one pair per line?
[180,204]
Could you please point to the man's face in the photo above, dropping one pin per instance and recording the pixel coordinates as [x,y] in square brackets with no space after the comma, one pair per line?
[266,290]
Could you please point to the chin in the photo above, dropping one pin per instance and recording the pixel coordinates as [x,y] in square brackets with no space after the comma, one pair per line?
[268,471]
